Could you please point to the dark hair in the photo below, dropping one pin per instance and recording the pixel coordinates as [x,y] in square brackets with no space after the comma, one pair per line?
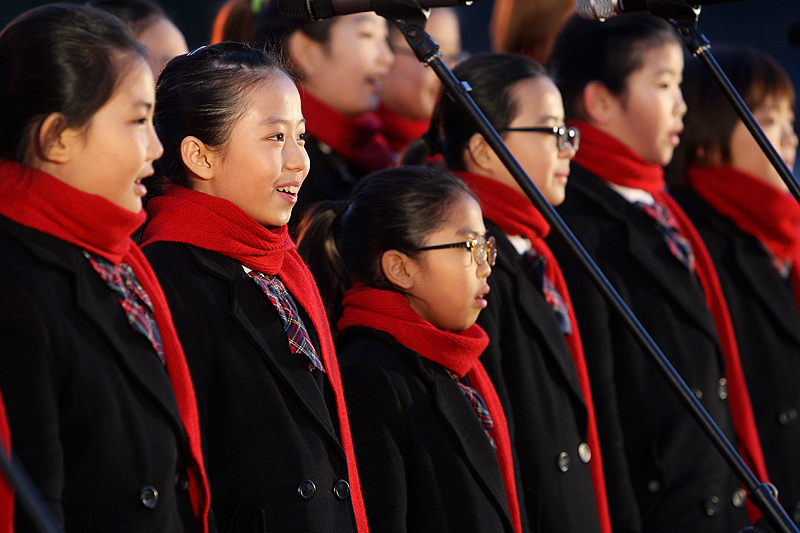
[58,58]
[393,209]
[137,14]
[608,52]
[492,78]
[203,94]
[710,118]
[273,30]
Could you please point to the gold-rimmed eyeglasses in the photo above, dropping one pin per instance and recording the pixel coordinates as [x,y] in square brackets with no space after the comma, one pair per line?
[483,249]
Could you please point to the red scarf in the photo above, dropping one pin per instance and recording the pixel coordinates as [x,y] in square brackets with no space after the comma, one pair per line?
[770,215]
[202,220]
[614,162]
[399,130]
[517,216]
[44,203]
[6,492]
[357,139]
[389,311]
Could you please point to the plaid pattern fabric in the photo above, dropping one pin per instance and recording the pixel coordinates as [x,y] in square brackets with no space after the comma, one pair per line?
[132,296]
[299,341]
[538,265]
[479,406]
[668,225]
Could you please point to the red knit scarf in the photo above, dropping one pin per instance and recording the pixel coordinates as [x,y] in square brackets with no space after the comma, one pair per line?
[44,203]
[357,139]
[202,220]
[517,216]
[6,492]
[389,311]
[615,163]
[770,215]
[398,130]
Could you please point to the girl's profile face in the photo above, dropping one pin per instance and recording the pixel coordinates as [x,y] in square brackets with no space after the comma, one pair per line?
[538,104]
[449,286]
[776,118]
[346,72]
[119,145]
[648,116]
[264,162]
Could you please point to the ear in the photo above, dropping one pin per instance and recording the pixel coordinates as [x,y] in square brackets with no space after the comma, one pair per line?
[597,102]
[304,53]
[198,157]
[56,142]
[399,269]
[480,155]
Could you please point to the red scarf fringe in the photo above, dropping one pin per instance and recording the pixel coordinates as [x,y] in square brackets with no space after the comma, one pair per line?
[184,215]
[615,163]
[389,311]
[517,216]
[44,203]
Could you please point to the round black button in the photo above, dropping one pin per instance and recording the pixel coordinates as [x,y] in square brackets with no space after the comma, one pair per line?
[149,497]
[787,417]
[654,485]
[181,481]
[563,461]
[342,489]
[711,506]
[739,498]
[307,489]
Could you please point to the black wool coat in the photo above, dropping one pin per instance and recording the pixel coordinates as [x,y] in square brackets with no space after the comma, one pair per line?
[679,480]
[766,321]
[424,459]
[534,374]
[269,425]
[93,416]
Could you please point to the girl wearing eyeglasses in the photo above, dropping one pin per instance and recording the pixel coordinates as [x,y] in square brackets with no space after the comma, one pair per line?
[751,225]
[246,307]
[409,253]
[534,355]
[621,85]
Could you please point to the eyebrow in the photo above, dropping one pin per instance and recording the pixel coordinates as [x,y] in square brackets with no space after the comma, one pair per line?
[271,121]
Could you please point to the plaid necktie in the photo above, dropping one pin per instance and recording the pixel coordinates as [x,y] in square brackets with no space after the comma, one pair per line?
[299,341]
[538,266]
[132,296]
[678,245]
[479,406]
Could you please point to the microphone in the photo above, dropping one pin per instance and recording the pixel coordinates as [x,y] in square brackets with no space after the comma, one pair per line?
[603,9]
[323,9]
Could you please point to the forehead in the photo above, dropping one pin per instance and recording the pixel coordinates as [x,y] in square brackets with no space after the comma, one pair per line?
[537,98]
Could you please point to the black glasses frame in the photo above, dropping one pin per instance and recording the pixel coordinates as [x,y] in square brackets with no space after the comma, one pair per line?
[565,137]
[474,246]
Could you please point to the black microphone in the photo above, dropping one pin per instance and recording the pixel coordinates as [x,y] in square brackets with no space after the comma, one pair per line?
[323,9]
[603,9]
[794,34]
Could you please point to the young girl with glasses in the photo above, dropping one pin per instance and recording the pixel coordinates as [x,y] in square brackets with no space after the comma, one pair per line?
[99,399]
[621,85]
[246,307]
[751,225]
[535,354]
[409,248]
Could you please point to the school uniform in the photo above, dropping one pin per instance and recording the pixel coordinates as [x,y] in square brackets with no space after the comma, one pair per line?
[680,481]
[764,310]
[269,420]
[92,411]
[427,463]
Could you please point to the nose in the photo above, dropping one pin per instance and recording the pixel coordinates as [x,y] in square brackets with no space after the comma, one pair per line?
[568,152]
[296,157]
[385,55]
[484,270]
[788,136]
[154,147]
[680,104]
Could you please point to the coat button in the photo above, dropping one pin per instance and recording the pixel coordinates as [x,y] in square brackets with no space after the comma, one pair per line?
[654,485]
[563,461]
[787,417]
[342,489]
[149,497]
[584,452]
[739,497]
[796,513]
[307,489]
[181,481]
[711,506]
[698,393]
[722,389]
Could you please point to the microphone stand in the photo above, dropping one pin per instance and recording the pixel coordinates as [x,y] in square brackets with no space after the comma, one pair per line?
[27,494]
[411,19]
